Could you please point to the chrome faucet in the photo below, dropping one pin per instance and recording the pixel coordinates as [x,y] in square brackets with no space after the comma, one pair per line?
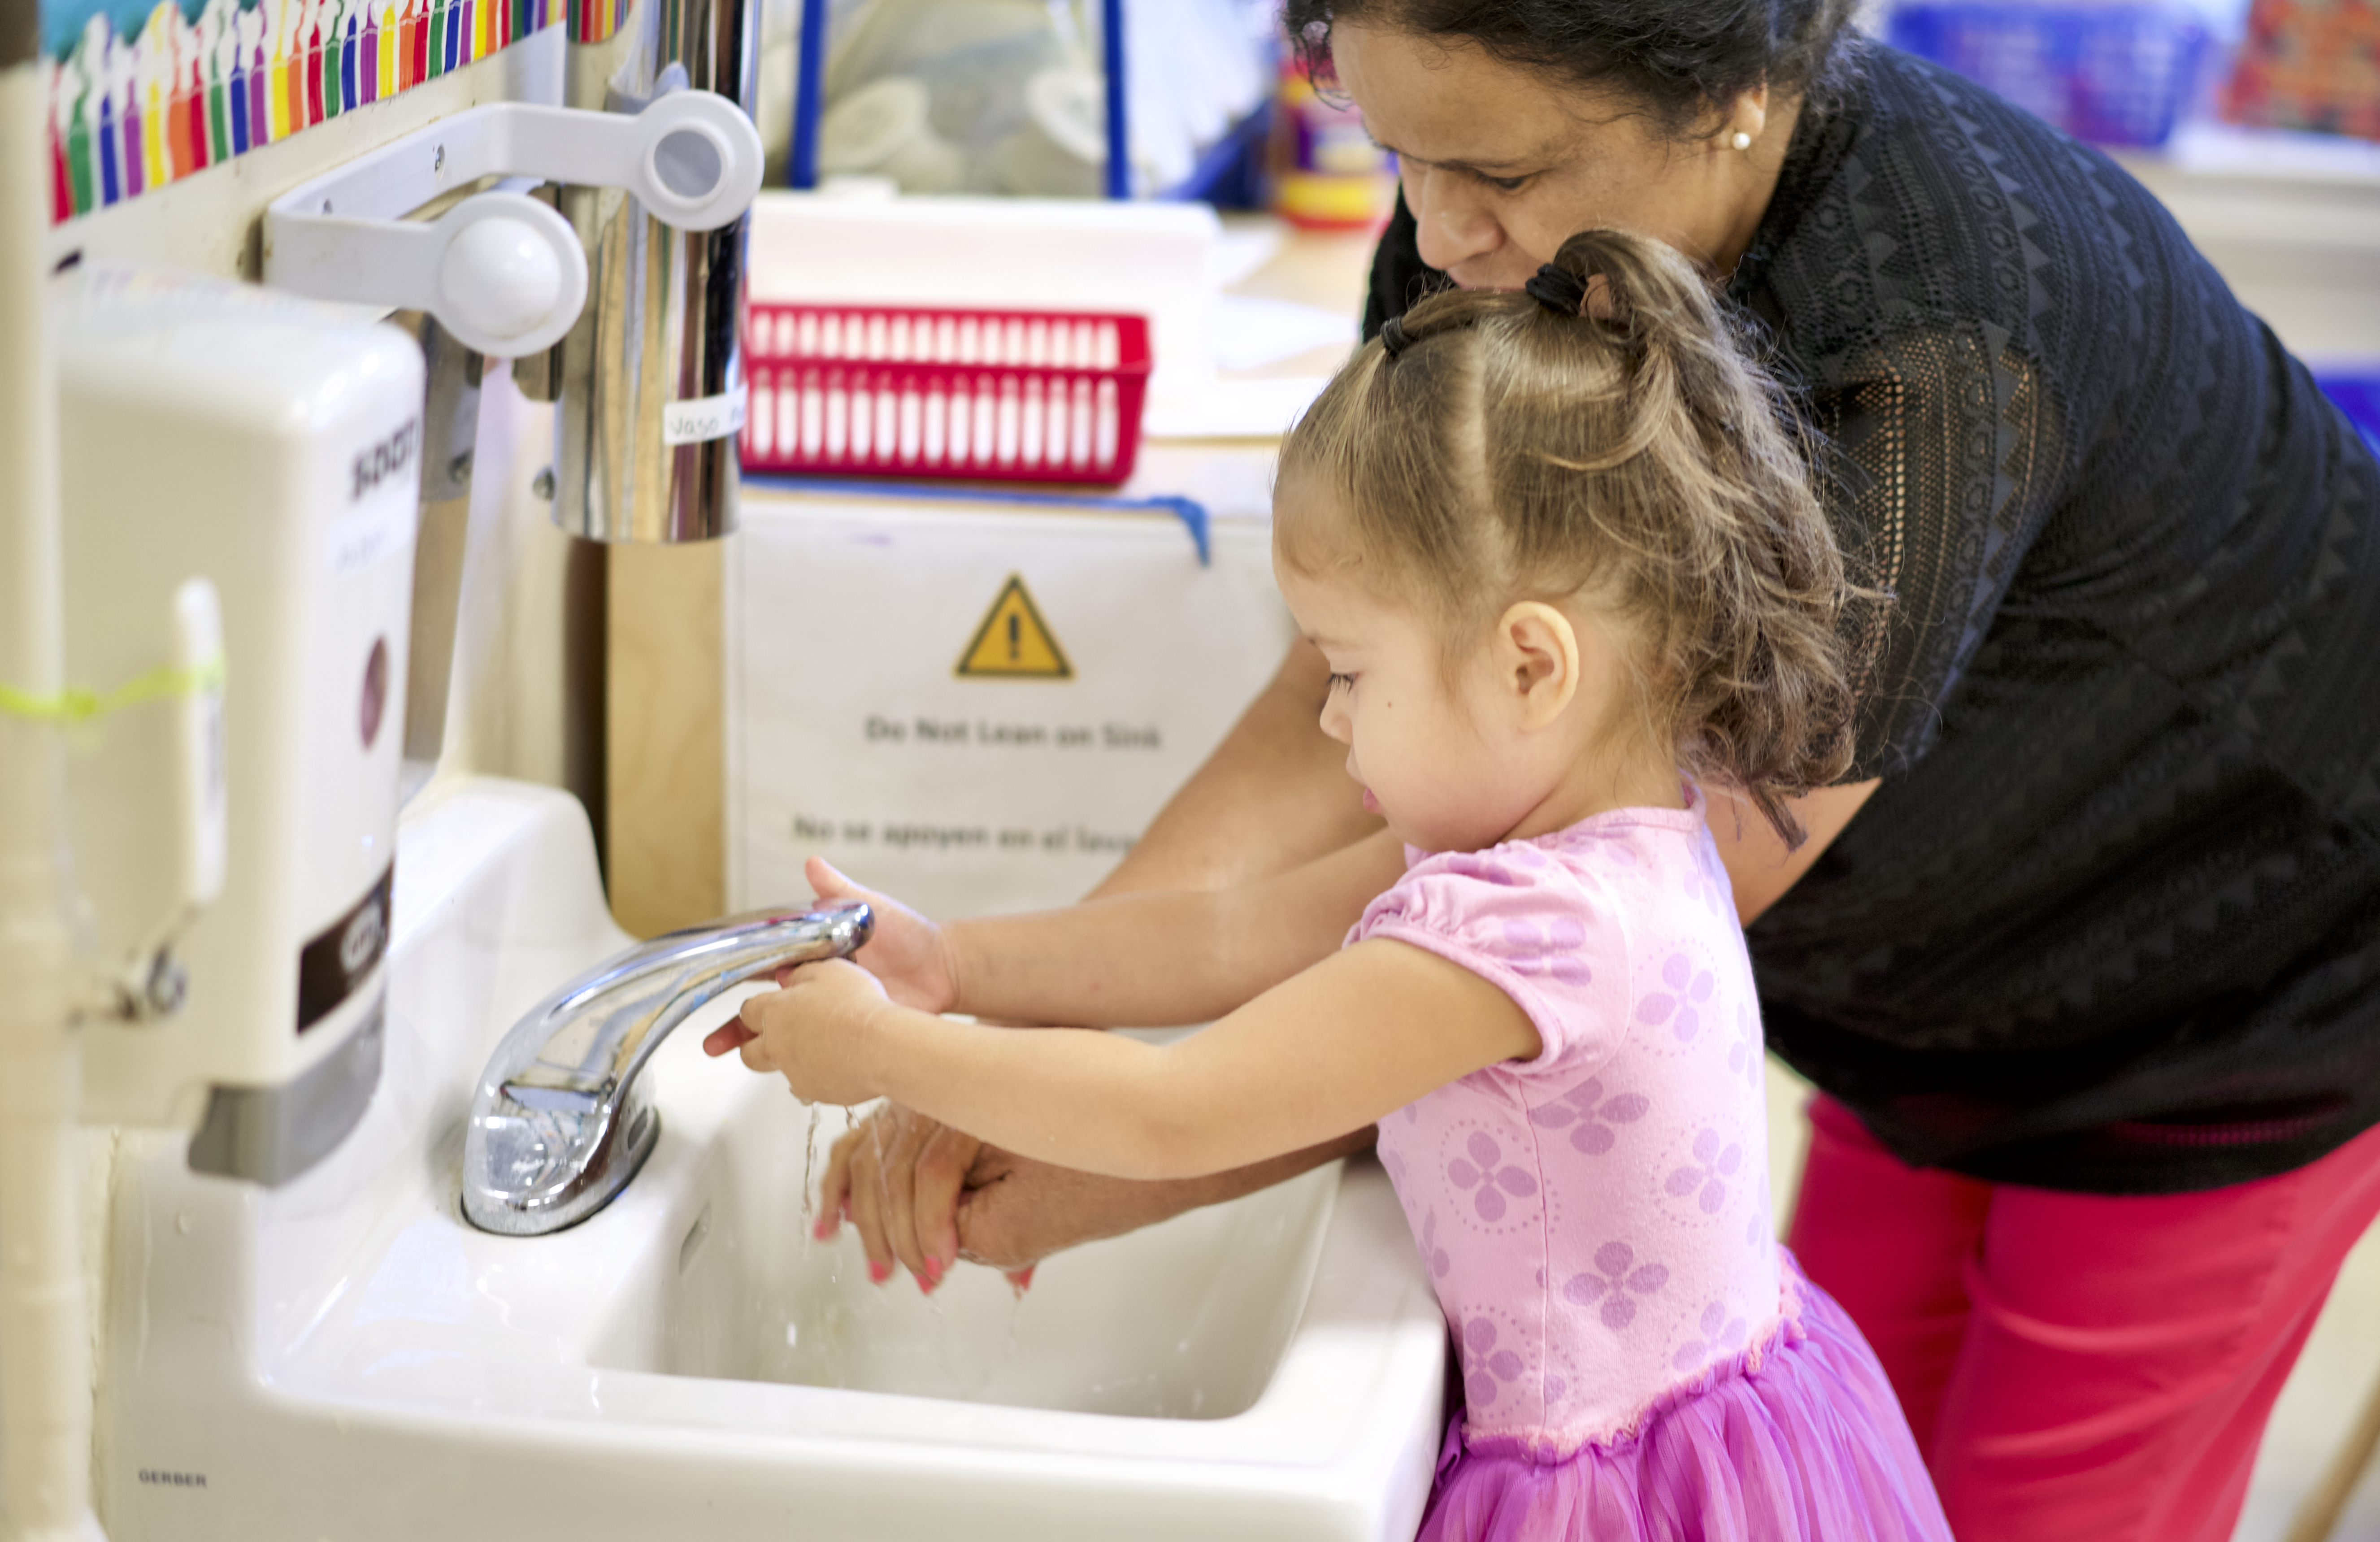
[561,1122]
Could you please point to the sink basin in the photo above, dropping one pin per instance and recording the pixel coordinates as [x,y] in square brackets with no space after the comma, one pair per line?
[1186,1321]
[345,1357]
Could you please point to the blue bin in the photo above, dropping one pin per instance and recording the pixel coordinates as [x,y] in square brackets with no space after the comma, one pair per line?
[2358,396]
[2113,74]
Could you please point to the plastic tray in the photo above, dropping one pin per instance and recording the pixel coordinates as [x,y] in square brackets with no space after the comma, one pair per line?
[919,391]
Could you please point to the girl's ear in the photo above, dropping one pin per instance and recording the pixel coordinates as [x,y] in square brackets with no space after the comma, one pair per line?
[1536,663]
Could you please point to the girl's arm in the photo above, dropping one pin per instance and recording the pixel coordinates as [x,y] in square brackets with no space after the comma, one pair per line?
[1359,1036]
[1151,960]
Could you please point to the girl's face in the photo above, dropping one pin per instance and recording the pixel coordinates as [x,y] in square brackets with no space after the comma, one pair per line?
[1502,165]
[1530,728]
[1426,761]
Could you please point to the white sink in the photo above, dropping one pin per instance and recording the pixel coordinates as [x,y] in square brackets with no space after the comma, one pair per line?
[346,1358]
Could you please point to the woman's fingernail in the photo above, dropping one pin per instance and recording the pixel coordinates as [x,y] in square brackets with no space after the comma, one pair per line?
[1022,1280]
[933,1271]
[823,1228]
[879,1274]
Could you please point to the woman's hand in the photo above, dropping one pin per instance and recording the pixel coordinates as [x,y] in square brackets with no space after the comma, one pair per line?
[819,1031]
[897,1176]
[927,1195]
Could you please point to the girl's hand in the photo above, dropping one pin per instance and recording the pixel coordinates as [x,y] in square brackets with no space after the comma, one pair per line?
[905,951]
[819,1032]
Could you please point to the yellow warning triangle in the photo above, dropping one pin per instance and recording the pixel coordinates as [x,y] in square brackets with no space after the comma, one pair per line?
[1013,640]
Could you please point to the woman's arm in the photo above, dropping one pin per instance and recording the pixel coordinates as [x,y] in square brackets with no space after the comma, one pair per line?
[1274,794]
[1758,865]
[1015,1211]
[1360,1034]
[1151,960]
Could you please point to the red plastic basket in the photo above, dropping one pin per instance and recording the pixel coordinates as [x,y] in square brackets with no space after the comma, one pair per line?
[916,390]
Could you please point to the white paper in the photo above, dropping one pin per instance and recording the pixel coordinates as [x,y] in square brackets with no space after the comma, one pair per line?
[1193,409]
[1246,332]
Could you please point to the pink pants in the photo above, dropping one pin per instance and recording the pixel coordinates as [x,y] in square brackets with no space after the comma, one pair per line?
[2080,1365]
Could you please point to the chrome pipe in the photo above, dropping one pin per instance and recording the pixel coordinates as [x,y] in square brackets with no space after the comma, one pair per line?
[648,386]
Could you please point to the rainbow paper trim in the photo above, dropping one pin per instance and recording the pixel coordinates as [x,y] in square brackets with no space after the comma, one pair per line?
[134,113]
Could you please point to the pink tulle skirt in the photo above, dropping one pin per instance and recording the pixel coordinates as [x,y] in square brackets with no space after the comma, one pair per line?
[1802,1441]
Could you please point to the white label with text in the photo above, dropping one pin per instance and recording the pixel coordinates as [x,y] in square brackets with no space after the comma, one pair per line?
[703,420]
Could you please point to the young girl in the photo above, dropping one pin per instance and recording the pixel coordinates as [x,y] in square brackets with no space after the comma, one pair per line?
[1566,566]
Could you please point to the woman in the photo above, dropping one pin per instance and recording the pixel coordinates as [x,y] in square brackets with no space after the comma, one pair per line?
[2085,953]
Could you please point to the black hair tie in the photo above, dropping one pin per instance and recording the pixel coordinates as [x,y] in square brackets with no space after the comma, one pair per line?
[1558,289]
[1393,340]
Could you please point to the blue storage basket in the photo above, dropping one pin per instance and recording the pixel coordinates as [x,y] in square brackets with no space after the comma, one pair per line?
[2358,396]
[2115,73]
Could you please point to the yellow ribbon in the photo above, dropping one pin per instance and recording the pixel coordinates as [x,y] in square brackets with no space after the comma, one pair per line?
[78,704]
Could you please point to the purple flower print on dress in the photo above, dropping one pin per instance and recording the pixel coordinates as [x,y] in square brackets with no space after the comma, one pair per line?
[1431,1254]
[1707,883]
[1590,1116]
[1549,950]
[1616,1275]
[1490,1367]
[1709,1172]
[1680,1005]
[1744,1054]
[1486,1174]
[1722,1334]
[1760,1232]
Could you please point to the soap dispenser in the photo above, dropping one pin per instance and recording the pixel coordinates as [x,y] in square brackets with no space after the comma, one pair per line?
[228,446]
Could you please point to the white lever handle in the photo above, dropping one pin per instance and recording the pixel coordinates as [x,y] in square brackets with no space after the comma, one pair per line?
[503,273]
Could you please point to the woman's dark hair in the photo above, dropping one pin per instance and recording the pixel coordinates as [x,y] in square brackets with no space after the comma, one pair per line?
[1682,59]
[1626,454]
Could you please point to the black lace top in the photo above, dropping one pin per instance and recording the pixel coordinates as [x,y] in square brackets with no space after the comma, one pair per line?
[2112,922]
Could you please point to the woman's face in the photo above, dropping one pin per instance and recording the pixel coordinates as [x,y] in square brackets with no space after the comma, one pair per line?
[1502,165]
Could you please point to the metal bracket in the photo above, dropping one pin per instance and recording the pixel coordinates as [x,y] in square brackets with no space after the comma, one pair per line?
[502,273]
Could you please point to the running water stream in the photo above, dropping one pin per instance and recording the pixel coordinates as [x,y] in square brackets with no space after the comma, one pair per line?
[810,1207]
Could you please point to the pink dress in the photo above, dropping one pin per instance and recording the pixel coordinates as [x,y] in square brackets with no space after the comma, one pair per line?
[1640,1358]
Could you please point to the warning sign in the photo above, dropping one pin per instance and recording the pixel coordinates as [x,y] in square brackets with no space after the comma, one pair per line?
[1013,640]
[928,779]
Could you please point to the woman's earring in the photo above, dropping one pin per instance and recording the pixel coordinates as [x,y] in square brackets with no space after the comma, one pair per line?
[1742,141]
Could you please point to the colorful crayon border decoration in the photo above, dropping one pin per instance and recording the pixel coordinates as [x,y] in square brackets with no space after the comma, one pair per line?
[134,113]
